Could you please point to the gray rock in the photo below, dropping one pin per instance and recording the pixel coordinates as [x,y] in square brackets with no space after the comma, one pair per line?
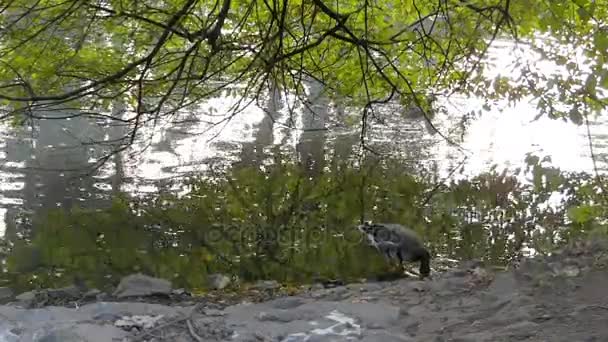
[280,316]
[287,303]
[179,292]
[218,281]
[92,293]
[483,336]
[82,332]
[418,311]
[386,336]
[62,336]
[8,330]
[566,271]
[65,292]
[317,287]
[26,296]
[141,285]
[5,292]
[214,313]
[471,264]
[504,284]
[520,330]
[418,286]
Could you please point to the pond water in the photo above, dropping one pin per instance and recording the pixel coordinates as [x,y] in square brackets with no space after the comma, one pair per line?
[42,164]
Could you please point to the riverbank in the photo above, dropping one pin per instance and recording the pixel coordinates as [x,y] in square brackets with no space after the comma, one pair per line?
[554,298]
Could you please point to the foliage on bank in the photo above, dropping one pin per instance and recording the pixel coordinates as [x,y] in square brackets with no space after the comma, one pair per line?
[282,222]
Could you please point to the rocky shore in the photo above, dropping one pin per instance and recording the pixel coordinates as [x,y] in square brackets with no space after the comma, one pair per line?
[561,297]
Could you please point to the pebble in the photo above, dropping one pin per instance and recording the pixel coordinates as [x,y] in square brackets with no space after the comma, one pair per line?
[266,285]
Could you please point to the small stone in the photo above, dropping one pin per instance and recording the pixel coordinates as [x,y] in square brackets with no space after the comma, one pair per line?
[141,285]
[218,281]
[266,285]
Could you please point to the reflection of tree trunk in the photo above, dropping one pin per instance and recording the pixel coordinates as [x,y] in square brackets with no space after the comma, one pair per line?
[311,147]
[252,154]
[10,225]
[118,110]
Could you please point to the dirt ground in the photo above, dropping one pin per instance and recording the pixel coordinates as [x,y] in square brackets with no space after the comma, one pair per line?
[562,297]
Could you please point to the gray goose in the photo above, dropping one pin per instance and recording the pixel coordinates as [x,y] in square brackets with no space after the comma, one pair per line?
[399,243]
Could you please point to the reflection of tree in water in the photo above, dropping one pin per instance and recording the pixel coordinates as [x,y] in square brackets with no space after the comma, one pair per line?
[254,153]
[56,157]
[311,146]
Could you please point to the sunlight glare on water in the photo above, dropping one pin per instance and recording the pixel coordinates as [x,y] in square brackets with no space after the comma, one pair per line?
[504,135]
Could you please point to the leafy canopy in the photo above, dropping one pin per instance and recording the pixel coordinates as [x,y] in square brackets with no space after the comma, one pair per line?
[157,57]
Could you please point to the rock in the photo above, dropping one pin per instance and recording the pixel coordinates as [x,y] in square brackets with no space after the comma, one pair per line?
[68,292]
[287,303]
[520,330]
[138,321]
[418,286]
[141,285]
[476,337]
[457,273]
[27,296]
[337,294]
[8,331]
[78,333]
[282,317]
[471,264]
[179,292]
[417,311]
[317,287]
[504,284]
[567,271]
[92,293]
[5,293]
[64,335]
[107,317]
[385,336]
[218,281]
[213,313]
[266,285]
[468,302]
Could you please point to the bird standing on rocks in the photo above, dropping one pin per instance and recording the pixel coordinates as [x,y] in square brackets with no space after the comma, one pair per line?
[397,242]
